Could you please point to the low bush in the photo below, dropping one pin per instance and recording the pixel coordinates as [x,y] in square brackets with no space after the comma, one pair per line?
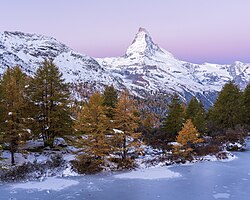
[87,165]
[236,135]
[31,170]
[127,163]
[17,173]
[207,149]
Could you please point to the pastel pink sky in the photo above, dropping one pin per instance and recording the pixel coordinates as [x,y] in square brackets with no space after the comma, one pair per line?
[199,31]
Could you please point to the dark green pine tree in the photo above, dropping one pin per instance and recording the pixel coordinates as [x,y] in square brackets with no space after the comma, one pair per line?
[192,108]
[195,111]
[110,98]
[50,97]
[227,111]
[174,120]
[13,107]
[246,106]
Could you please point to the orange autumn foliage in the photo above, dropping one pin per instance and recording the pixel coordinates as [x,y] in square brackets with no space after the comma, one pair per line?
[189,135]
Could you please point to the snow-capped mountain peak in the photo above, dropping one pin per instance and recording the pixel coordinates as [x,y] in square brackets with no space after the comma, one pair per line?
[142,45]
[145,69]
[29,50]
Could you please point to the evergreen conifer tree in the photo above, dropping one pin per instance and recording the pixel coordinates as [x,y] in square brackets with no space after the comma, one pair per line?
[192,108]
[227,111]
[195,111]
[246,106]
[110,99]
[175,119]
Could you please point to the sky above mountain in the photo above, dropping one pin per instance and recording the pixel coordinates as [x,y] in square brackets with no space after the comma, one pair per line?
[194,30]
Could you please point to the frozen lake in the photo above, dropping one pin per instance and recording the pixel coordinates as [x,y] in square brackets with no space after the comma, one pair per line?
[202,181]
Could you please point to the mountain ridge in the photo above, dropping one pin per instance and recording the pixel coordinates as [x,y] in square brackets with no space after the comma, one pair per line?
[145,69]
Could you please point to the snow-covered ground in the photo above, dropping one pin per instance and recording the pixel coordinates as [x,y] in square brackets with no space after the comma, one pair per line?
[221,196]
[154,160]
[200,181]
[51,183]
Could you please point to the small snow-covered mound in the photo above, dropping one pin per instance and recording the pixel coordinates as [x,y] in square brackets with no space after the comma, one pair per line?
[221,196]
[150,174]
[48,184]
[68,171]
[230,157]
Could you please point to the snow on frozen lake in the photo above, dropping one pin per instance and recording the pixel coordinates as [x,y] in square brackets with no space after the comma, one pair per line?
[201,181]
[150,174]
[51,183]
[221,196]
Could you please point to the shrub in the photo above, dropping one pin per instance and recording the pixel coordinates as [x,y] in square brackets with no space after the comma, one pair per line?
[206,150]
[56,161]
[236,135]
[16,173]
[127,163]
[87,165]
[31,170]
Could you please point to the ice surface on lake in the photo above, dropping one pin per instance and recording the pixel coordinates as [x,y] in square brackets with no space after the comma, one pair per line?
[150,174]
[200,181]
[48,184]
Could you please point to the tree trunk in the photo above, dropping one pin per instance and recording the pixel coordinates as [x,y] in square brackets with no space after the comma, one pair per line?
[124,149]
[12,157]
[49,142]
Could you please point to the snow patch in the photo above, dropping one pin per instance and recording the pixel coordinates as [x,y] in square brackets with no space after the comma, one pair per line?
[52,183]
[209,158]
[230,157]
[69,172]
[150,174]
[117,131]
[221,196]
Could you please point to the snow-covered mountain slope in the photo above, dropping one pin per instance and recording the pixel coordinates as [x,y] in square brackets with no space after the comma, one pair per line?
[29,50]
[147,68]
[144,69]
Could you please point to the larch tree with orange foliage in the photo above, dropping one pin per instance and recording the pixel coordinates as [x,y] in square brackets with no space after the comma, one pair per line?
[188,136]
[94,128]
[127,122]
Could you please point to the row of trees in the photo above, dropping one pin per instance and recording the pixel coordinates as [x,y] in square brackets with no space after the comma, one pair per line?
[108,125]
[178,113]
[185,124]
[33,107]
[230,114]
[40,107]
